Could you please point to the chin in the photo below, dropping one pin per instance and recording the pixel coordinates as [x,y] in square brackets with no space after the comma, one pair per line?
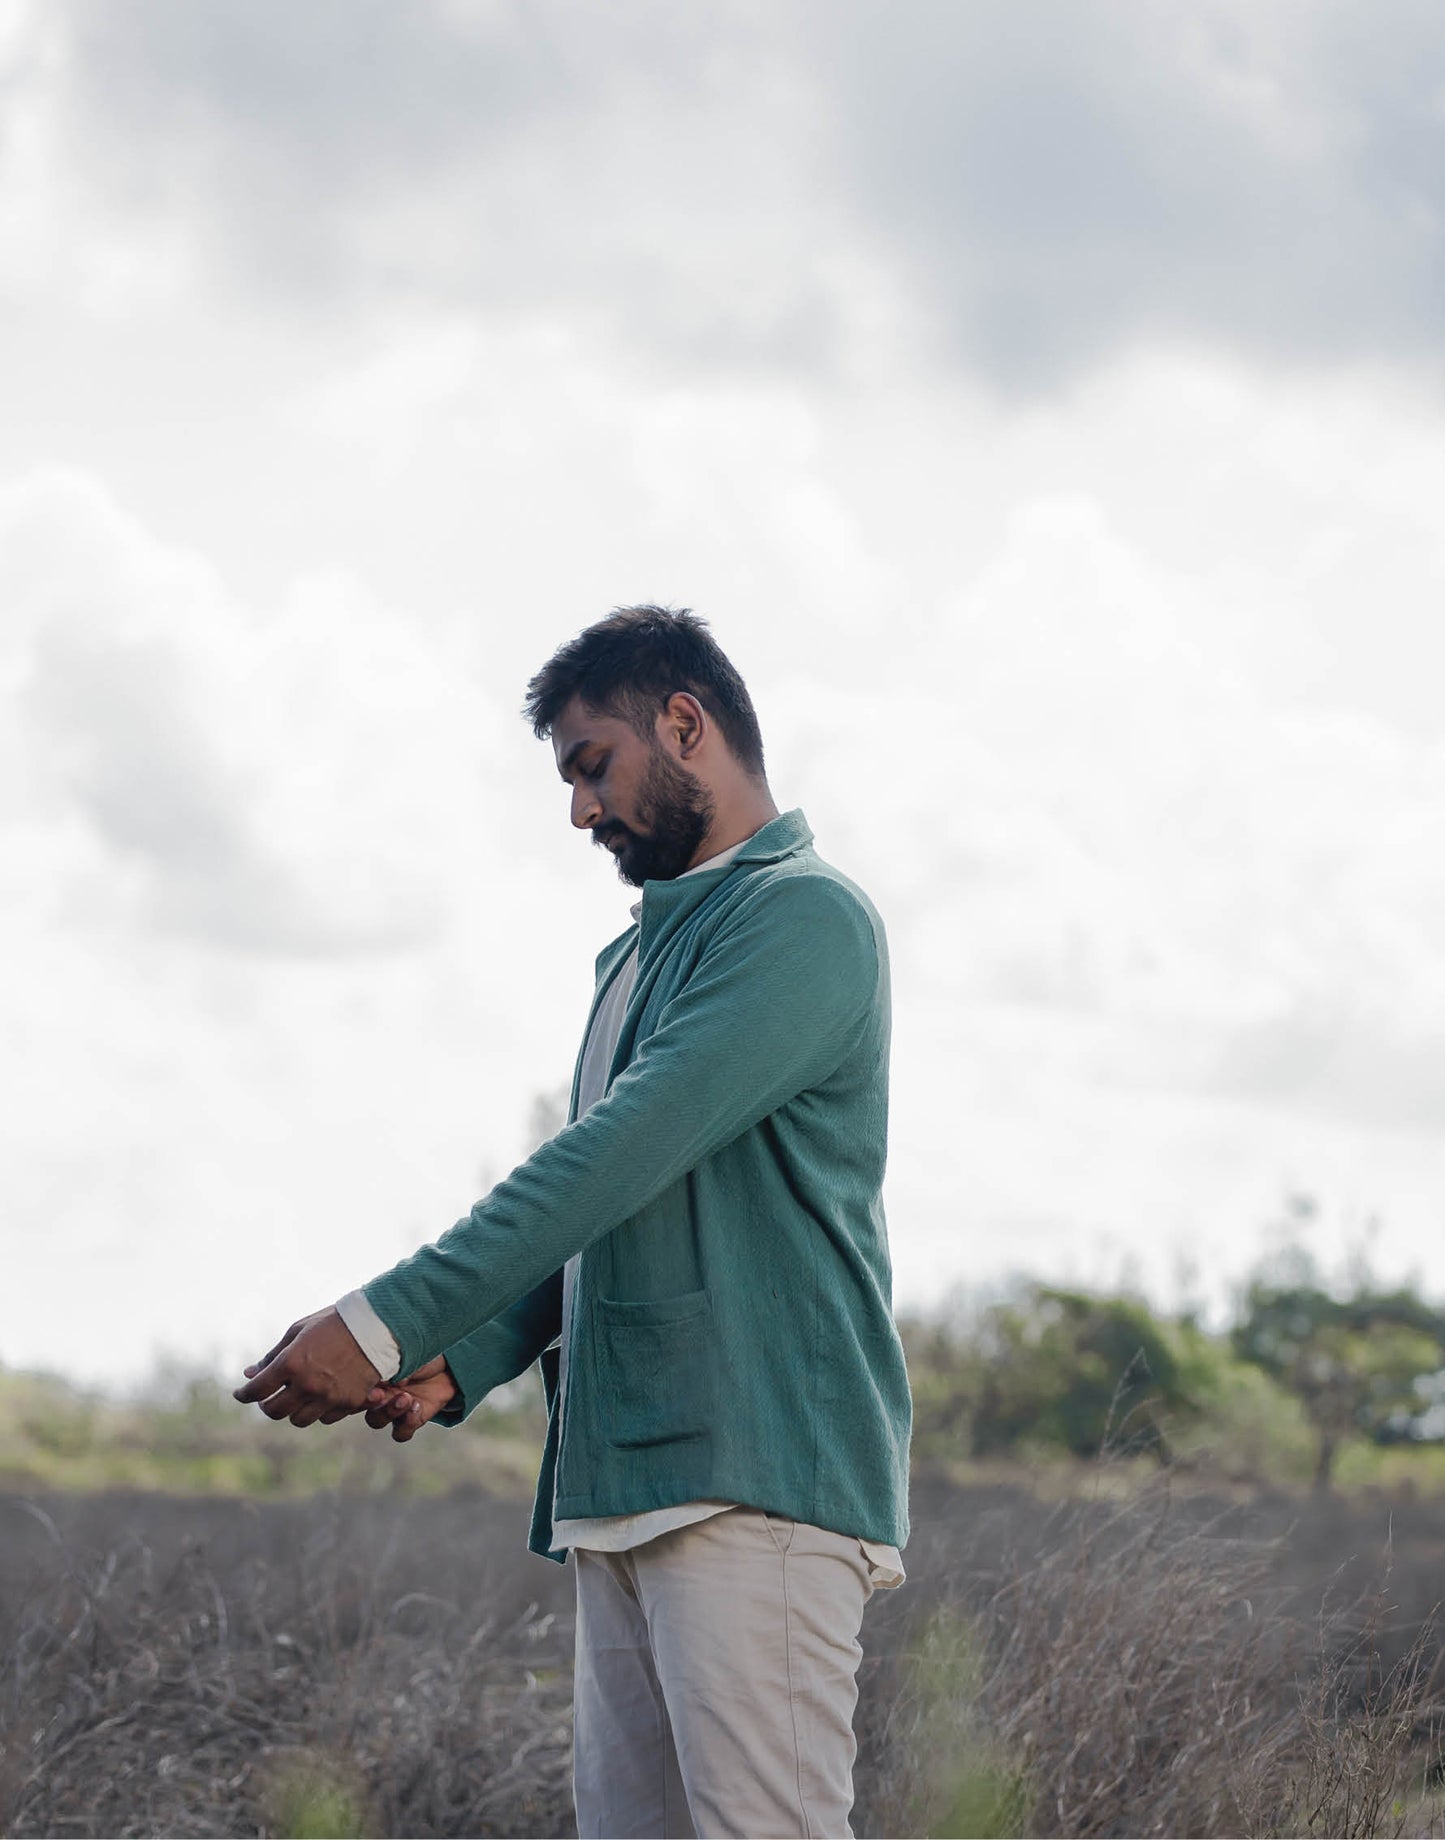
[626,872]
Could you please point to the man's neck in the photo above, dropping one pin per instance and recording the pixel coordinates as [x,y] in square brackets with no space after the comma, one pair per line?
[742,820]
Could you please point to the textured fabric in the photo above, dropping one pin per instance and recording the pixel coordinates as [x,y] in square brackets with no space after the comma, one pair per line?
[620,1532]
[725,1196]
[716,1681]
[614,1532]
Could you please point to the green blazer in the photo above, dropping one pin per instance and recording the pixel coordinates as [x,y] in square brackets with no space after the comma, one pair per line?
[732,1327]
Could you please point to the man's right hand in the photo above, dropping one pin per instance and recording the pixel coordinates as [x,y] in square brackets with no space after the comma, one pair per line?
[407,1405]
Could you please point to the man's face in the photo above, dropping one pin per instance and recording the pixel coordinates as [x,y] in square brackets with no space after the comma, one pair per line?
[633,796]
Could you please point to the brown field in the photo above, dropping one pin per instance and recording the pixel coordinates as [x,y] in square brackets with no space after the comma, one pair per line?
[1126,1662]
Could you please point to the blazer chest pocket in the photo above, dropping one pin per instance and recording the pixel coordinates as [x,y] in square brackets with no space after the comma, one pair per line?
[656,1369]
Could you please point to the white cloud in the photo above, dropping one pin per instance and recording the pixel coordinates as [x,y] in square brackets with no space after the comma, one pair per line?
[1117,694]
[248,1004]
[1063,183]
[1044,187]
[236,774]
[1165,940]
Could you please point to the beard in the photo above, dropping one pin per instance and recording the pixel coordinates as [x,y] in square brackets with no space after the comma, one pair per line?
[678,811]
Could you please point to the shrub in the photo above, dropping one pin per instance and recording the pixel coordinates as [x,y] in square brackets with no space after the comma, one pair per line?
[1144,1670]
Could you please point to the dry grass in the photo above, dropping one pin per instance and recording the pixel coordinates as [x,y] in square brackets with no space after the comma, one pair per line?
[345,1670]
[375,1666]
[1373,1730]
[1153,1668]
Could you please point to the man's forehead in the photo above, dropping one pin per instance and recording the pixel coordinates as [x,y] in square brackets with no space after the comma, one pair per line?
[577,727]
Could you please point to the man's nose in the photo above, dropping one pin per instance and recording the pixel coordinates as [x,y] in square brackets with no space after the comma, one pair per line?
[585,807]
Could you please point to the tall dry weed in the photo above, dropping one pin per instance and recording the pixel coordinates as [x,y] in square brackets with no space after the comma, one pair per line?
[308,1692]
[1373,1743]
[378,1666]
[1137,1669]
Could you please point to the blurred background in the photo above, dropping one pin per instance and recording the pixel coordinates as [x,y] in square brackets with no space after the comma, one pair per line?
[1043,403]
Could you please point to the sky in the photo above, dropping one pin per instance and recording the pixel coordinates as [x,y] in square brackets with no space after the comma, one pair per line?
[1044,404]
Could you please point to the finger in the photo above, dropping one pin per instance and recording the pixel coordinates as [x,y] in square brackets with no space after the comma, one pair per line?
[308,1412]
[258,1370]
[336,1414]
[263,1382]
[283,1404]
[407,1427]
[381,1415]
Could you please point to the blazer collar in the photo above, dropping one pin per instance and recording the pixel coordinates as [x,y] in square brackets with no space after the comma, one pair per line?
[666,904]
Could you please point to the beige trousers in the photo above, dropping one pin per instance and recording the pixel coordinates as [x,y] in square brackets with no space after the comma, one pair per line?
[716,1681]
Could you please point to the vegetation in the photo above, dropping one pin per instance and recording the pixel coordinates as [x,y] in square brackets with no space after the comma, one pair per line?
[1052,1368]
[1162,1580]
[186,1435]
[1152,1668]
[1355,1362]
[382,1665]
[1306,1386]
[331,1666]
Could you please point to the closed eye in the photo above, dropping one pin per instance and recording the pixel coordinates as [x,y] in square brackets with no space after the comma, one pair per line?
[570,762]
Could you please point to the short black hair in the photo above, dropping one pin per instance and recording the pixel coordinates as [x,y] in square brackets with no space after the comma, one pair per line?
[629,664]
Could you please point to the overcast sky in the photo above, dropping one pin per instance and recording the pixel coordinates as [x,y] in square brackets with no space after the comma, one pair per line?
[1046,405]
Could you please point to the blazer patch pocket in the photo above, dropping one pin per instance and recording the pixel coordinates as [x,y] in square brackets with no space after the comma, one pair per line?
[656,1369]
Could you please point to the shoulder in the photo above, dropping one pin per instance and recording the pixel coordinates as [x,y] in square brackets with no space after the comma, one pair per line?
[802,894]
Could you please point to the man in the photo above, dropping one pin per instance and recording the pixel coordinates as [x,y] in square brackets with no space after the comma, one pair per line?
[699,1262]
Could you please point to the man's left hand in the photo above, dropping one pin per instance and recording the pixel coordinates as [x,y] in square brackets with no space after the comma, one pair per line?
[315,1371]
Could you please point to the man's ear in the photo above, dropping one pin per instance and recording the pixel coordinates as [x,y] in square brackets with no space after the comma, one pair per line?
[686,721]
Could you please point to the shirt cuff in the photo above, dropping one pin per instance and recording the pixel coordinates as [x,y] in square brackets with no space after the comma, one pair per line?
[373,1337]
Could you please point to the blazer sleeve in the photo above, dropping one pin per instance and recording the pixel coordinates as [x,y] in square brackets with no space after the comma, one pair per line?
[503,1347]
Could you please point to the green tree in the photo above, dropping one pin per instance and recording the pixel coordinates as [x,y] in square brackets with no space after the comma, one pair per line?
[1052,1366]
[1351,1361]
[1070,1368]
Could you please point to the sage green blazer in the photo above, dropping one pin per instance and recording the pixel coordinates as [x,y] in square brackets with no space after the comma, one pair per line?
[732,1328]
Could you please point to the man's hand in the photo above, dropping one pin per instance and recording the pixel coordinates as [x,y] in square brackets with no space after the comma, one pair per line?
[407,1405]
[315,1371]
